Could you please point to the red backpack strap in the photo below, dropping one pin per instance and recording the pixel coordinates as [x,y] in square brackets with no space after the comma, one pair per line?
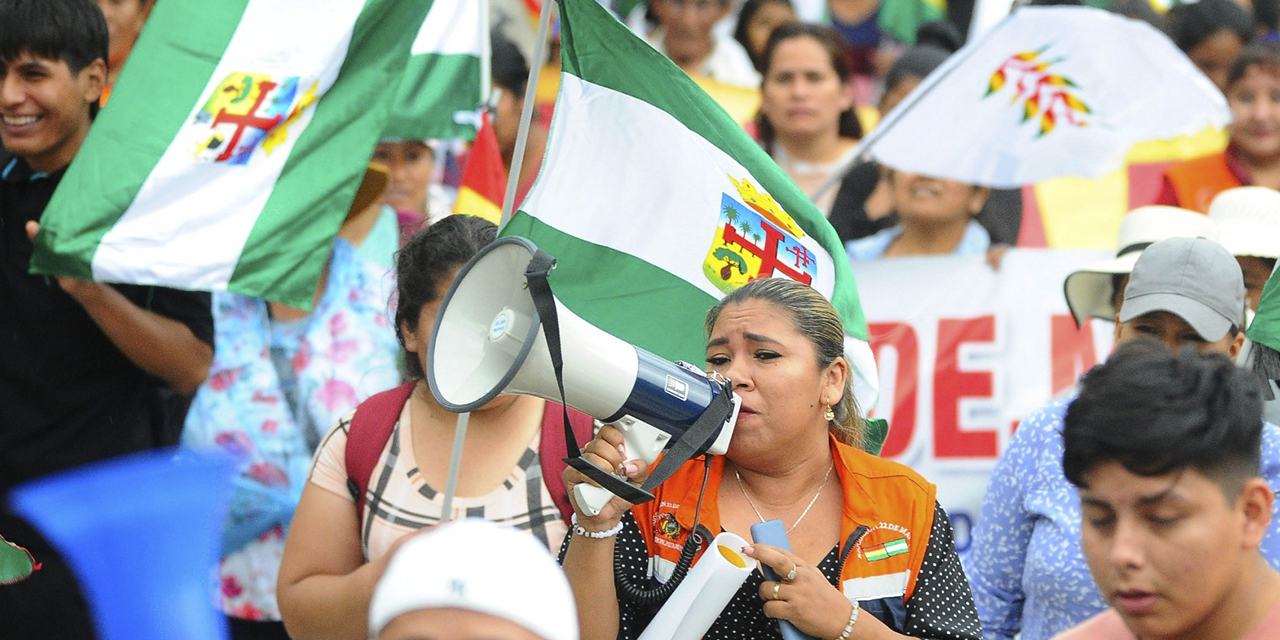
[552,450]
[370,429]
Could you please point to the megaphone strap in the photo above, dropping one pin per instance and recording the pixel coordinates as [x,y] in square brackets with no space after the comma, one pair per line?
[695,440]
[536,274]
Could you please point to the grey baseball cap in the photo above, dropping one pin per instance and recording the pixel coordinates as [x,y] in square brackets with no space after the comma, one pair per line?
[1193,278]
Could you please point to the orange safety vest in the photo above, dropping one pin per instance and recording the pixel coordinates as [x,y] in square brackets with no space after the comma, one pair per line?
[1196,182]
[884,531]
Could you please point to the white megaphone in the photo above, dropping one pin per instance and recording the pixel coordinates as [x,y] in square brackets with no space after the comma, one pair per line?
[488,339]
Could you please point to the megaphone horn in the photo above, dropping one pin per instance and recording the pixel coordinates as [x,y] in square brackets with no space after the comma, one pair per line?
[490,339]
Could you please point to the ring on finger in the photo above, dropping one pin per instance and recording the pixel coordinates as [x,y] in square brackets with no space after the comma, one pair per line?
[791,575]
[776,586]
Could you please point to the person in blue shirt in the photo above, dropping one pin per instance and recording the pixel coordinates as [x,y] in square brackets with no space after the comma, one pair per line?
[1027,568]
[936,217]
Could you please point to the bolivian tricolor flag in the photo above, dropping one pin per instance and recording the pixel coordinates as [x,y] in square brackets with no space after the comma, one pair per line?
[233,146]
[886,550]
[484,181]
[651,197]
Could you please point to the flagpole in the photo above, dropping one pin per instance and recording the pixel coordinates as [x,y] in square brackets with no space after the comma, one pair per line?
[455,462]
[526,111]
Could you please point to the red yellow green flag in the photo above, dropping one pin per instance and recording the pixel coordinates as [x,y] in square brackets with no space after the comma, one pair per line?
[484,180]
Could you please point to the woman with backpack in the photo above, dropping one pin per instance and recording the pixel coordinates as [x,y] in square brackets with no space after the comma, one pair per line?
[379,475]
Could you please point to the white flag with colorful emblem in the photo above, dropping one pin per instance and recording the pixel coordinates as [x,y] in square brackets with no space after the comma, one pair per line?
[655,203]
[447,76]
[1049,92]
[232,147]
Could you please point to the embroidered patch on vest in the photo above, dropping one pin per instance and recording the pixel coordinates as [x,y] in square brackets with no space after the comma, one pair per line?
[883,541]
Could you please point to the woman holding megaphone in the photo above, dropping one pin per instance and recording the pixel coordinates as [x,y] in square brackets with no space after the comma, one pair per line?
[380,474]
[871,526]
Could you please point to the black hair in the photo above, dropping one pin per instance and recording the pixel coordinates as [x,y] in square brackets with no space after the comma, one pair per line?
[745,14]
[1192,24]
[834,45]
[942,34]
[73,31]
[509,68]
[1266,14]
[1140,10]
[425,264]
[1264,54]
[1157,412]
[917,62]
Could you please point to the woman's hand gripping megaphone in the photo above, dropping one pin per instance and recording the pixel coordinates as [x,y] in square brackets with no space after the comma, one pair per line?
[606,451]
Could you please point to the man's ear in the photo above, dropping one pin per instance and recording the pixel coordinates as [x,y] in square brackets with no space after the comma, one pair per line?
[93,79]
[1237,343]
[1254,503]
[978,200]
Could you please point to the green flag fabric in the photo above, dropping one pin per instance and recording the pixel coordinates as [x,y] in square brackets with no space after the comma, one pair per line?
[232,147]
[1265,327]
[446,78]
[15,562]
[656,203]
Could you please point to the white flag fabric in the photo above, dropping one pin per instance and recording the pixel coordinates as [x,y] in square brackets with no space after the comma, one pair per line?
[1049,92]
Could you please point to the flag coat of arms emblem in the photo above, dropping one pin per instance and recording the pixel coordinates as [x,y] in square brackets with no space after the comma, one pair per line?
[656,203]
[229,154]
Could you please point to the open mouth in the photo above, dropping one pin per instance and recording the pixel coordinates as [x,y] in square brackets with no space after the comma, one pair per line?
[1134,602]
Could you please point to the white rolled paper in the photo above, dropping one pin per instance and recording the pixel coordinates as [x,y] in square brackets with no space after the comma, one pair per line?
[705,592]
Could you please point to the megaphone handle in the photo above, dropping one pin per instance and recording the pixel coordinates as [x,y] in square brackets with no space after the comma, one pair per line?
[639,440]
[774,533]
[591,499]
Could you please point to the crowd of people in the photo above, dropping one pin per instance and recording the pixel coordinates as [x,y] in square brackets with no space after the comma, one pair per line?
[1138,505]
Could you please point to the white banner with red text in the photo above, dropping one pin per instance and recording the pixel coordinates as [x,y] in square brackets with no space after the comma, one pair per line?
[965,352]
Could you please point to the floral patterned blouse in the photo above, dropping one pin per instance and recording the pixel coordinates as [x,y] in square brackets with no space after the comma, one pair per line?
[273,390]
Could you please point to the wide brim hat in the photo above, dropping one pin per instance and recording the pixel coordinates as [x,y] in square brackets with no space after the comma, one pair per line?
[1090,291]
[1248,220]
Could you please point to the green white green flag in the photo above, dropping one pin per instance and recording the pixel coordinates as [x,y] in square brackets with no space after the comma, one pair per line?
[447,76]
[232,146]
[655,203]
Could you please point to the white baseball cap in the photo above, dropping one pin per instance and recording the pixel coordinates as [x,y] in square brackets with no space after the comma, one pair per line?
[1248,220]
[478,566]
[1090,292]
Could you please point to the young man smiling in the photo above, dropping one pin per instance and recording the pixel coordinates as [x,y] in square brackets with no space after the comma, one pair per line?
[1164,449]
[87,369]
